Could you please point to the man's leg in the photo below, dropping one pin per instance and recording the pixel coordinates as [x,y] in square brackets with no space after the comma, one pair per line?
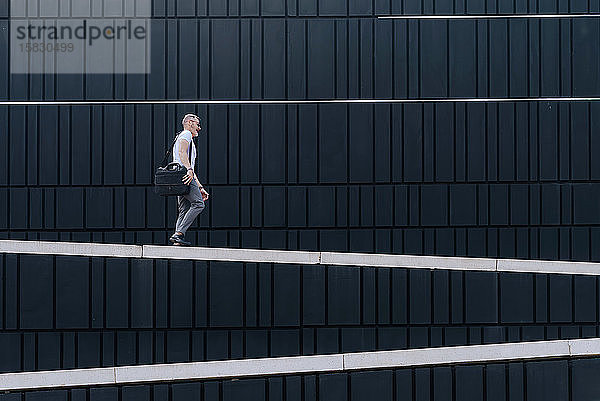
[183,205]
[196,205]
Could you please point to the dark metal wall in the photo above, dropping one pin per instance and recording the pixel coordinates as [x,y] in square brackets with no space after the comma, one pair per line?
[75,312]
[491,179]
[508,180]
[351,8]
[572,380]
[516,179]
[270,57]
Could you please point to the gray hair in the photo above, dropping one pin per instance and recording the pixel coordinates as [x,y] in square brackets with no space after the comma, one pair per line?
[188,117]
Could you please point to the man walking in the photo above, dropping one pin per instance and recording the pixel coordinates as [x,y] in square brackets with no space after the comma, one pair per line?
[190,205]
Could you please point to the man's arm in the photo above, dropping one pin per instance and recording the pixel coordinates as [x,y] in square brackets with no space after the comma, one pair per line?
[183,156]
[183,153]
[203,192]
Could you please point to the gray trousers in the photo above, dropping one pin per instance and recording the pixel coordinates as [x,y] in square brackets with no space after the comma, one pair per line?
[189,207]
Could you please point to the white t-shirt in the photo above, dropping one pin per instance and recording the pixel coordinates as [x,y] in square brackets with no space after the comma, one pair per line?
[186,135]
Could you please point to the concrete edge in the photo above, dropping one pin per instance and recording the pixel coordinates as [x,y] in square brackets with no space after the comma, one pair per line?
[71,249]
[548,266]
[461,354]
[408,261]
[298,257]
[229,369]
[584,347]
[56,379]
[301,364]
[231,255]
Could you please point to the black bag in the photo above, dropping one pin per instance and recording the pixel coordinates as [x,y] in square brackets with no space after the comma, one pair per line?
[167,179]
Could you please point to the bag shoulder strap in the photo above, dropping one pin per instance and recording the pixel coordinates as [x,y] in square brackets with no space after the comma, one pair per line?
[165,160]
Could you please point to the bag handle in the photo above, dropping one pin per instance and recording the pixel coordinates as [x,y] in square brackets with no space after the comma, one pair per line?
[172,166]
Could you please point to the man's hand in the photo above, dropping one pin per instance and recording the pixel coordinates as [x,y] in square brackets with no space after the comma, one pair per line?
[204,194]
[188,177]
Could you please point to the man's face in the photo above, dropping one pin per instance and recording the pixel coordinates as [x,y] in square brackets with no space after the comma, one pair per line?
[194,126]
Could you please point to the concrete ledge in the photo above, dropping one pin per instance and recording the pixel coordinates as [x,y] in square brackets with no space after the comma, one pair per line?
[71,248]
[231,255]
[584,347]
[57,379]
[546,266]
[408,261]
[298,257]
[303,364]
[463,354]
[227,369]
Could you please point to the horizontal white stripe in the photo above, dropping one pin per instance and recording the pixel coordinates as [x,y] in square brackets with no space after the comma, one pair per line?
[298,257]
[490,16]
[292,102]
[397,16]
[301,365]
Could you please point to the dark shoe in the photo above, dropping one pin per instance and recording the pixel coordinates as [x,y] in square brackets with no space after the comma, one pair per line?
[177,239]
